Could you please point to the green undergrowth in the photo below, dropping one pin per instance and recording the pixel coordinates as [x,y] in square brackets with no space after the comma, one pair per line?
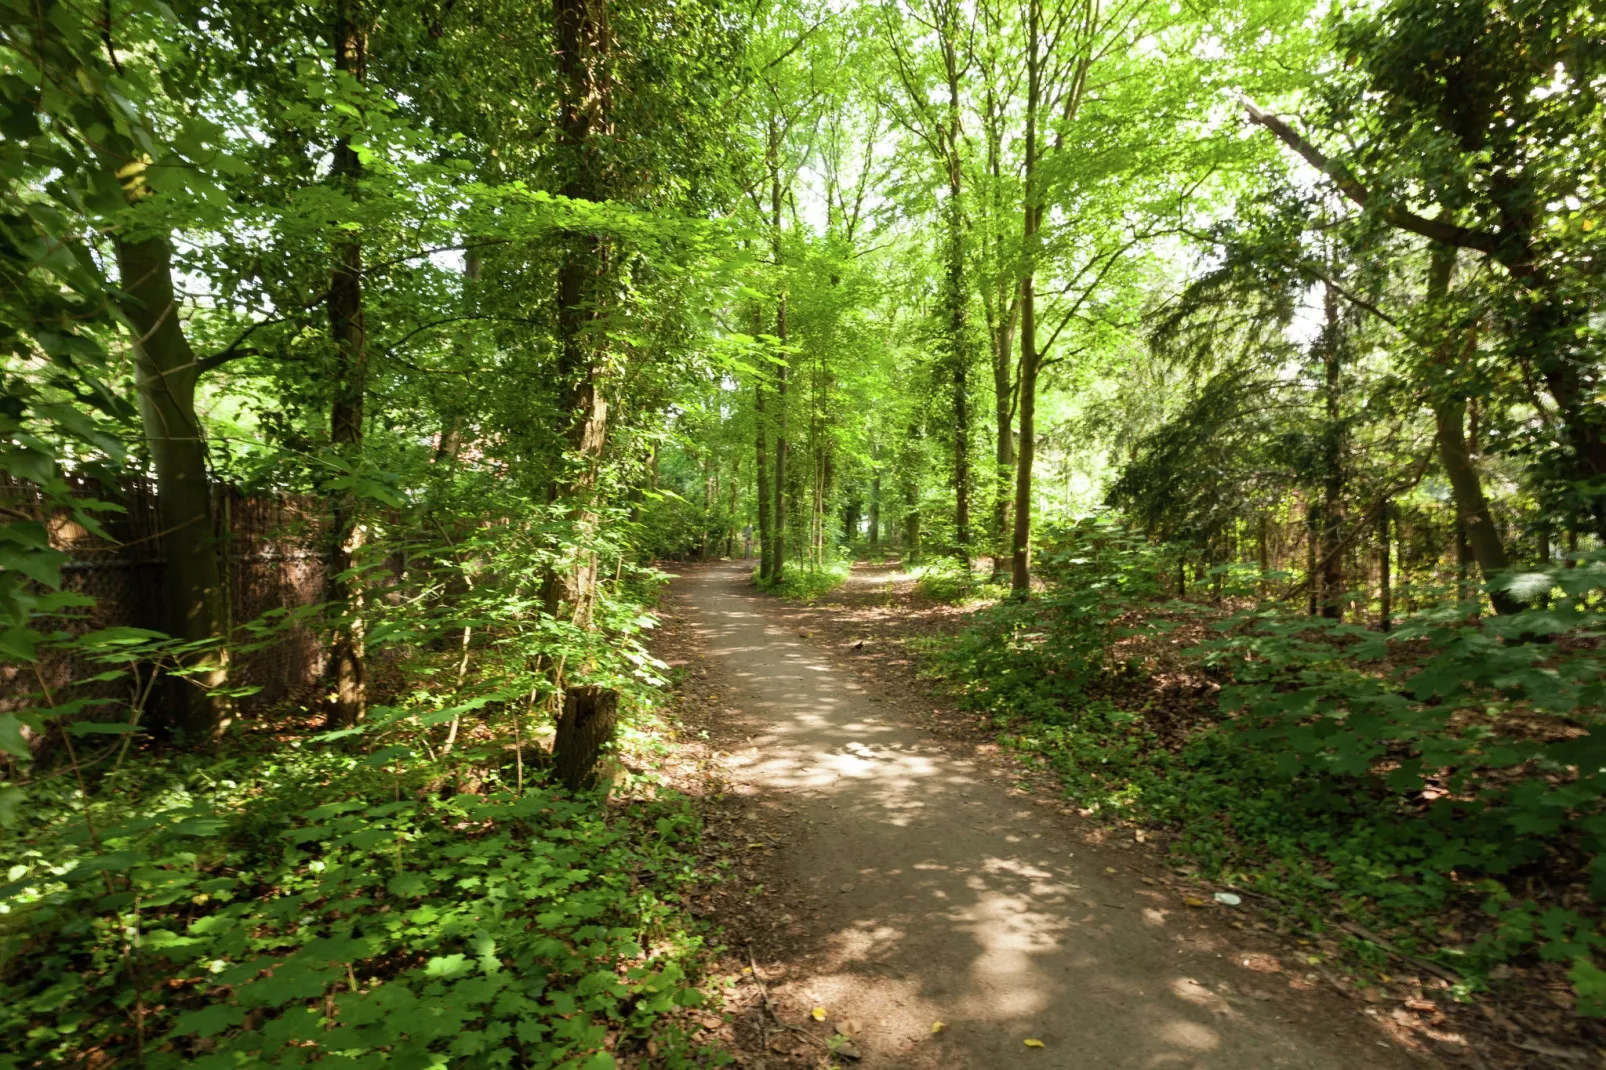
[1341,772]
[806,583]
[310,905]
[947,580]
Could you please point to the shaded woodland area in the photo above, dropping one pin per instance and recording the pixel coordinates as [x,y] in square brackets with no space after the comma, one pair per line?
[1237,367]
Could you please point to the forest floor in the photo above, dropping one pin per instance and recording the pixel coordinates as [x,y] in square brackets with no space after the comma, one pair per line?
[888,869]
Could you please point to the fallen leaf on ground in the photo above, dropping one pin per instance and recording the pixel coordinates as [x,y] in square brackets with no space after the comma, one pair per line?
[1032,1042]
[818,1014]
[1193,901]
[936,1027]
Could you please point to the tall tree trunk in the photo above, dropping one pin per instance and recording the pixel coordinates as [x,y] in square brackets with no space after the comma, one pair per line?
[778,562]
[348,331]
[165,377]
[875,510]
[1332,563]
[1020,563]
[766,548]
[1003,344]
[1313,580]
[1473,515]
[954,296]
[1385,588]
[955,292]
[585,93]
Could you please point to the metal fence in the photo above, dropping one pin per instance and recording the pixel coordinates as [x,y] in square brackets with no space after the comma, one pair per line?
[275,548]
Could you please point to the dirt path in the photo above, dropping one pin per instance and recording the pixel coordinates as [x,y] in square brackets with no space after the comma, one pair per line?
[920,888]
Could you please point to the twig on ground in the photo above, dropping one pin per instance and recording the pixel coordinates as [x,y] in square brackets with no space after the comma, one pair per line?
[1434,968]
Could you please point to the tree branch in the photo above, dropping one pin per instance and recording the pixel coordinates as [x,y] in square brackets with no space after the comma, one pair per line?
[1351,187]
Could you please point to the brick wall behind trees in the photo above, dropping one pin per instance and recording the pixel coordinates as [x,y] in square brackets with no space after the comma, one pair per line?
[276,557]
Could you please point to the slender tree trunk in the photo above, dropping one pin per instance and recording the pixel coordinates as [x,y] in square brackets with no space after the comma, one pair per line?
[1263,550]
[1385,590]
[1332,563]
[959,368]
[349,333]
[1475,521]
[1477,537]
[730,512]
[875,510]
[165,378]
[1004,307]
[1004,440]
[778,560]
[911,522]
[955,297]
[1313,582]
[1020,570]
[766,535]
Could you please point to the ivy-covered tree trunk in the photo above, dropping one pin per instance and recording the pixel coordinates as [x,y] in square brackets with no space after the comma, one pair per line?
[166,372]
[348,330]
[585,93]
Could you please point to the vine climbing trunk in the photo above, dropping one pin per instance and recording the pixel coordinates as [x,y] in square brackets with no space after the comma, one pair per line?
[584,50]
[585,93]
[348,331]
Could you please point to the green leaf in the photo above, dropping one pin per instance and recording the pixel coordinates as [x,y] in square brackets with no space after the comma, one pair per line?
[447,966]
[209,1021]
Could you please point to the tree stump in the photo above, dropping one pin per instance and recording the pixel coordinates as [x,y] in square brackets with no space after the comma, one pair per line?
[586,727]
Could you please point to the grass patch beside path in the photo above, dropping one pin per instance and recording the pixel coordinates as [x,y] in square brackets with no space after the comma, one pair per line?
[807,584]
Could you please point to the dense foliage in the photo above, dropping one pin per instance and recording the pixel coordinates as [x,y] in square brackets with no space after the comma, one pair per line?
[502,304]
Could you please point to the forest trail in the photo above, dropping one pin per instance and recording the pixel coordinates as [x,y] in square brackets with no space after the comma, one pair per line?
[928,892]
